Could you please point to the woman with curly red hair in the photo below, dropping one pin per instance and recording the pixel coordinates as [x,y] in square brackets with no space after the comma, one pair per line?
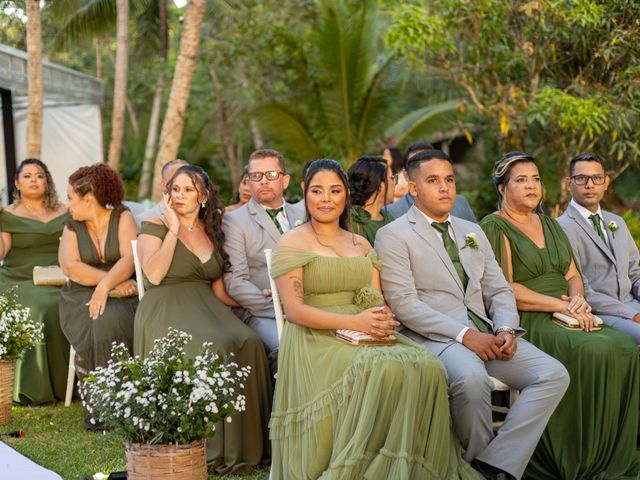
[98,304]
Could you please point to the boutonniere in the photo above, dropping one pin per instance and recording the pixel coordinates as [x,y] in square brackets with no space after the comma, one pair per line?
[470,240]
[613,226]
[298,222]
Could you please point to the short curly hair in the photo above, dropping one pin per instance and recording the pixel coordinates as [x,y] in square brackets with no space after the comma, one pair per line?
[102,181]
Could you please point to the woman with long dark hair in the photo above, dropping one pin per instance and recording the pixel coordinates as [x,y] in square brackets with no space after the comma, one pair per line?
[30,234]
[371,187]
[183,258]
[349,411]
[99,302]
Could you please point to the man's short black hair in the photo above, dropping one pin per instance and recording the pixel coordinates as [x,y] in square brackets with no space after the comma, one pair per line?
[424,156]
[585,157]
[412,149]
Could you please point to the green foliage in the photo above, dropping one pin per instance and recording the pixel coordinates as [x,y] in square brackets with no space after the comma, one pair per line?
[632,219]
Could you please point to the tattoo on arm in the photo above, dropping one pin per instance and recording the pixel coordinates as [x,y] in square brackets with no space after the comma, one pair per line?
[297,287]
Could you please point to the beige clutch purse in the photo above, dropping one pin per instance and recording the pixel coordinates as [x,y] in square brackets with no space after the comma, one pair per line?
[50,275]
[570,323]
[359,338]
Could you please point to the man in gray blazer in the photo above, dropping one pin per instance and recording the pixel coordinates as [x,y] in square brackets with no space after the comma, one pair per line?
[248,231]
[441,279]
[461,207]
[603,246]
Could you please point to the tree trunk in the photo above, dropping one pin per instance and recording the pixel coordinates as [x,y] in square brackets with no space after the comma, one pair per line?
[120,83]
[258,140]
[227,134]
[144,187]
[133,118]
[34,72]
[173,124]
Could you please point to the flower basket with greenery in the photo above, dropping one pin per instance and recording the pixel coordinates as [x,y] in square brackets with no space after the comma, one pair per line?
[18,332]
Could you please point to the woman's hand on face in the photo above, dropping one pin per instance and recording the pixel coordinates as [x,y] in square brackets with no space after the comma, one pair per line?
[577,303]
[376,321]
[98,302]
[169,214]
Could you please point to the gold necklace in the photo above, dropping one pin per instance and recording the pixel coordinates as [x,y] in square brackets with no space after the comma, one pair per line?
[194,225]
[324,245]
[94,233]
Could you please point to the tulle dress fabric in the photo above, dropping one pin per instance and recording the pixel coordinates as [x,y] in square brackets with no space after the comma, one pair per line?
[592,433]
[184,300]
[353,412]
[41,373]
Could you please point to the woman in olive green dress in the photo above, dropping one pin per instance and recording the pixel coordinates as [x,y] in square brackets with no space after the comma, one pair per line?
[98,303]
[182,256]
[31,229]
[371,186]
[347,411]
[592,434]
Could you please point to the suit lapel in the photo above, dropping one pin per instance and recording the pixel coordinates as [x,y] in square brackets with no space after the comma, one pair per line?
[421,226]
[611,236]
[465,253]
[262,218]
[292,215]
[590,231]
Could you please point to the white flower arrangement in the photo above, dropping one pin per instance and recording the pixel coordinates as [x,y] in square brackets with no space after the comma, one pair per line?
[18,331]
[470,240]
[613,226]
[167,397]
[298,222]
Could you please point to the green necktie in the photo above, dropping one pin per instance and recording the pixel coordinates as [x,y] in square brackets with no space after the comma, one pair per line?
[452,250]
[595,219]
[273,213]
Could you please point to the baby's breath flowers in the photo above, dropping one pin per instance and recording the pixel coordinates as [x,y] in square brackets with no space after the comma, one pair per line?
[166,397]
[18,331]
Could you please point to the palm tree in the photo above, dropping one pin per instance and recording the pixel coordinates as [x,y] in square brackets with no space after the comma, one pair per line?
[34,72]
[352,96]
[173,123]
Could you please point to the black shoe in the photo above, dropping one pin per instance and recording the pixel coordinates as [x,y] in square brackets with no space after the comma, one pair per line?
[489,471]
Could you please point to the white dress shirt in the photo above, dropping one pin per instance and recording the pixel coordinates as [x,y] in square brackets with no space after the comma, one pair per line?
[281,217]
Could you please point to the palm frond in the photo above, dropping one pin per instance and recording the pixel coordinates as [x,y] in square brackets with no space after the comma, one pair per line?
[424,122]
[288,128]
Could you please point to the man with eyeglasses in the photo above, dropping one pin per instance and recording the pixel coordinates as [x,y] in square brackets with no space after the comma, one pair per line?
[248,231]
[603,246]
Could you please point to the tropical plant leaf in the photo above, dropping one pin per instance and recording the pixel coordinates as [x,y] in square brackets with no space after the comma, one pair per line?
[290,129]
[425,121]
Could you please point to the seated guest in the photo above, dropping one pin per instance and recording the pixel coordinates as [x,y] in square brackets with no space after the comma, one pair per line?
[248,231]
[168,169]
[242,195]
[31,229]
[345,411]
[461,207]
[371,187]
[393,157]
[603,247]
[592,433]
[95,253]
[442,281]
[183,256]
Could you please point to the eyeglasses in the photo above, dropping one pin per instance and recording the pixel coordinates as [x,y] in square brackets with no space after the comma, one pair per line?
[584,179]
[271,175]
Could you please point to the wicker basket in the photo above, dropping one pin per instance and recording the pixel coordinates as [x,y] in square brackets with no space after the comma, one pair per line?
[7,370]
[168,462]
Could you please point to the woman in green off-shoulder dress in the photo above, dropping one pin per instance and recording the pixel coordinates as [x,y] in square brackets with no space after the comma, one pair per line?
[183,278]
[343,411]
[31,228]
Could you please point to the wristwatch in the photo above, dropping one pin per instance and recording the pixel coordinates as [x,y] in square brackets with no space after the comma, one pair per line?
[506,329]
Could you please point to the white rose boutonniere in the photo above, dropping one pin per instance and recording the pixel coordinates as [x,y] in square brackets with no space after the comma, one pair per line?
[298,222]
[613,226]
[470,240]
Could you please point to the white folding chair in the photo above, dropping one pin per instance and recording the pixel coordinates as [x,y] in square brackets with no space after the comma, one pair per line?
[275,296]
[138,268]
[499,386]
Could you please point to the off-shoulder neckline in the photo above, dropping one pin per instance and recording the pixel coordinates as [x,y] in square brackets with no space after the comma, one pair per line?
[35,220]
[371,252]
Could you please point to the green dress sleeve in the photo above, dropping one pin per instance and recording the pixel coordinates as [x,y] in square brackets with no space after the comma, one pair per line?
[285,259]
[375,260]
[156,229]
[495,234]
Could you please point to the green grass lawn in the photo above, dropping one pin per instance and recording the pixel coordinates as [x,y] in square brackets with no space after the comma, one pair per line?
[55,438]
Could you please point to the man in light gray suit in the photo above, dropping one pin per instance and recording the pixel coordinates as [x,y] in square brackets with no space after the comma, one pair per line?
[248,231]
[441,279]
[603,246]
[461,207]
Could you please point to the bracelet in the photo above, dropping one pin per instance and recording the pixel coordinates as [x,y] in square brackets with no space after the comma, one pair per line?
[509,330]
[174,233]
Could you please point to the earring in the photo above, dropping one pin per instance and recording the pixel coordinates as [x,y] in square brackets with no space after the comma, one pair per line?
[203,205]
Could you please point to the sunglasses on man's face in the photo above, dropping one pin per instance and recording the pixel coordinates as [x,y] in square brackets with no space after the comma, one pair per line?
[271,175]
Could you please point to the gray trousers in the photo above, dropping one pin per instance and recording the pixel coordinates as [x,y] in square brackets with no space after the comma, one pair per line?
[542,381]
[625,325]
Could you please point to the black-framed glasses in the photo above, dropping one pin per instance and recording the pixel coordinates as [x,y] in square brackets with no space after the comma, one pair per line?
[597,179]
[270,174]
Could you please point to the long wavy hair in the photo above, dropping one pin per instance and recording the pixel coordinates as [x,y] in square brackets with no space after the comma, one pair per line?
[211,212]
[502,174]
[51,201]
[328,165]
